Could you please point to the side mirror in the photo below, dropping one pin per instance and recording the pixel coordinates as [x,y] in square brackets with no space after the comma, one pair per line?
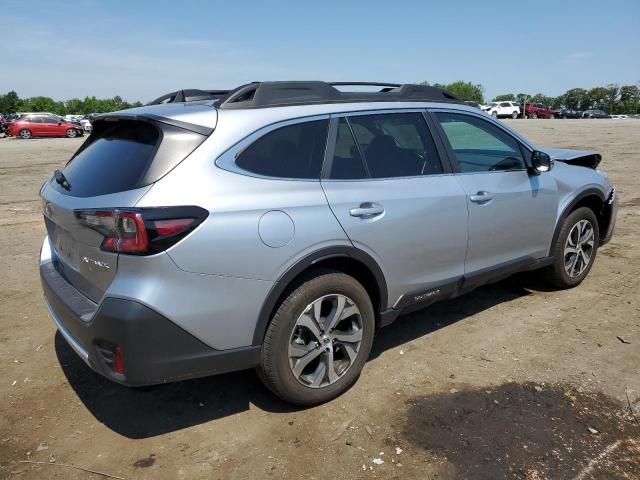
[540,162]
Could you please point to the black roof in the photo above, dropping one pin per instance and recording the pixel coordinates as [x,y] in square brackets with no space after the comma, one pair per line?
[277,94]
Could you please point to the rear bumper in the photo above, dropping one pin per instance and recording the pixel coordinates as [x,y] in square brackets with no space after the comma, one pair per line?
[155,350]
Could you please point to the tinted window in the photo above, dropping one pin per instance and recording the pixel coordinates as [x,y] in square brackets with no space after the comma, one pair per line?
[480,146]
[50,119]
[294,151]
[505,104]
[347,162]
[116,161]
[33,119]
[396,145]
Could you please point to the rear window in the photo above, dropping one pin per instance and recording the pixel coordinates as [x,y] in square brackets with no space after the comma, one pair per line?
[125,155]
[295,151]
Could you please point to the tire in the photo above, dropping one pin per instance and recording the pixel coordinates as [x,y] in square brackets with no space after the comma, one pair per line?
[552,117]
[494,114]
[72,133]
[534,115]
[514,115]
[564,272]
[25,134]
[288,340]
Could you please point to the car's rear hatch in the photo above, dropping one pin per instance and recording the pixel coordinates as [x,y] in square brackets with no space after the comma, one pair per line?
[125,154]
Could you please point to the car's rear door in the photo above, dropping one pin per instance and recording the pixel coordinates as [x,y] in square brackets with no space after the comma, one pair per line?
[511,212]
[36,126]
[397,201]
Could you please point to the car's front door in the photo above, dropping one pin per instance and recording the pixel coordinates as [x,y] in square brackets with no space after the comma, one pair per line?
[52,126]
[511,212]
[396,200]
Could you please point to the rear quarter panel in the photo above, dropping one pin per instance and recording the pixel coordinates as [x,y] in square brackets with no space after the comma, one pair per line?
[229,242]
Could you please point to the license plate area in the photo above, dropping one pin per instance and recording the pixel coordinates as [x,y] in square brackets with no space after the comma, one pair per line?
[66,247]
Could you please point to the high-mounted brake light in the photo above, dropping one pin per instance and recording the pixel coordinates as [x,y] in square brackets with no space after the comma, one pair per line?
[142,231]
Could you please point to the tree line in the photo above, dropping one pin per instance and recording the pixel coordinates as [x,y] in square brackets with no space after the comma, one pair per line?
[12,103]
[613,98]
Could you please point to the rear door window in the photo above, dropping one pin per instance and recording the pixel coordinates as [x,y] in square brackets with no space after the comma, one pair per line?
[294,151]
[396,145]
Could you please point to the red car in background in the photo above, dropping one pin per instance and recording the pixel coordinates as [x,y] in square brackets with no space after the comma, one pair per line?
[537,110]
[43,126]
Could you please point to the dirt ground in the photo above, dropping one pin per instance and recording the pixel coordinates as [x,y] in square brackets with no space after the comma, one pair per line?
[511,381]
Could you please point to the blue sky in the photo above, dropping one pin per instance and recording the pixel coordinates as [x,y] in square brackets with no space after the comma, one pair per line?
[142,49]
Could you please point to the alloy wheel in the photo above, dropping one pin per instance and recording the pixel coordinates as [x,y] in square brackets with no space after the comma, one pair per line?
[325,340]
[578,249]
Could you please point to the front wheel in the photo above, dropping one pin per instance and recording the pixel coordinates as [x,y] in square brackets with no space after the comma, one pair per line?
[575,249]
[72,133]
[534,115]
[494,114]
[24,133]
[318,340]
[552,116]
[514,115]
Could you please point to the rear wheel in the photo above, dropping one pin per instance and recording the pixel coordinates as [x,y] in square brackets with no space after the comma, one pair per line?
[552,116]
[514,115]
[24,133]
[72,133]
[575,250]
[318,340]
[534,115]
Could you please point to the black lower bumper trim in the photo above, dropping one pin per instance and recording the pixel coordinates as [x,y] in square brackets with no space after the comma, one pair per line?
[155,350]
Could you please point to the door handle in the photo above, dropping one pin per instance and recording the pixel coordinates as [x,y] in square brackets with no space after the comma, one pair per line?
[367,210]
[481,197]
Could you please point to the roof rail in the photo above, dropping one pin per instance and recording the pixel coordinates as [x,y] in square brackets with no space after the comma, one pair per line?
[276,94]
[189,95]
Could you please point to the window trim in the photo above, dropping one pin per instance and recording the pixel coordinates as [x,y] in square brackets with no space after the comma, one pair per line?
[227,160]
[332,137]
[525,148]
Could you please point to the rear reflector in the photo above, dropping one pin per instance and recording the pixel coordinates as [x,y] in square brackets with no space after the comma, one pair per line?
[118,361]
[142,231]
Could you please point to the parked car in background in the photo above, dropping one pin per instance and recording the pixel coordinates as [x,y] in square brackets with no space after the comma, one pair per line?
[38,125]
[619,117]
[4,125]
[567,113]
[595,114]
[537,110]
[80,120]
[502,109]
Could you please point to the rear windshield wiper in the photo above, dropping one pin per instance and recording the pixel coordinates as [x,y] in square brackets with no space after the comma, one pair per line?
[61,180]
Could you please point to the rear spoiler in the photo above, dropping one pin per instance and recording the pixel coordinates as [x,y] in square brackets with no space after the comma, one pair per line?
[189,95]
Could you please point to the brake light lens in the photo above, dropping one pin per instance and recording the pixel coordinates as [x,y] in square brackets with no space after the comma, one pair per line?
[171,227]
[142,231]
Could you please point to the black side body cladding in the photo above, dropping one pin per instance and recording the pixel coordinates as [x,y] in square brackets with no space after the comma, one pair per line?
[326,253]
[569,208]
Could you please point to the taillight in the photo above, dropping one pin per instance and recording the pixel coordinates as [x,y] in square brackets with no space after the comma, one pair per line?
[142,231]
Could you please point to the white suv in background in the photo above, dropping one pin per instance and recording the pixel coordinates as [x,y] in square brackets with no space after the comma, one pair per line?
[502,109]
